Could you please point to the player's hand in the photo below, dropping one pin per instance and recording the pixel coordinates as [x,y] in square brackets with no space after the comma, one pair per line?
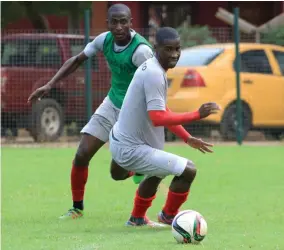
[208,108]
[199,144]
[39,93]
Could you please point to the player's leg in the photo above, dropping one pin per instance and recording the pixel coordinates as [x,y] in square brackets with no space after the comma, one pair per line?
[155,164]
[95,134]
[160,164]
[88,147]
[127,159]
[118,173]
[144,196]
[178,193]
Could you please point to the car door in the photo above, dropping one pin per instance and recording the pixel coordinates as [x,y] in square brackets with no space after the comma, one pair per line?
[260,85]
[279,59]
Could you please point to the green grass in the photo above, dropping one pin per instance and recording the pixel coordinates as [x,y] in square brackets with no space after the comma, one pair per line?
[239,191]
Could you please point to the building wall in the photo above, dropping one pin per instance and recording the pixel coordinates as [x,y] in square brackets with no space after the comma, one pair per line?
[257,13]
[204,11]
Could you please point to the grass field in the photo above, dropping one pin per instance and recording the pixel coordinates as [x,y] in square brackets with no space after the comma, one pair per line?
[239,191]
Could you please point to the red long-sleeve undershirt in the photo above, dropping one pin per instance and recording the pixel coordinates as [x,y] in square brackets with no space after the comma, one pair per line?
[173,121]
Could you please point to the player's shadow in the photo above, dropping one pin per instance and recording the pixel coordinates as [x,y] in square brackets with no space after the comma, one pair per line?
[130,230]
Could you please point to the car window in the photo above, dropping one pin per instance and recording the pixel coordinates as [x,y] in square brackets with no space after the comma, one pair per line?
[77,46]
[15,53]
[255,61]
[47,53]
[23,52]
[279,56]
[198,56]
[12,49]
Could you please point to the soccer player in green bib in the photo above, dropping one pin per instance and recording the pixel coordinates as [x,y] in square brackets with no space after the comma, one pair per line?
[125,50]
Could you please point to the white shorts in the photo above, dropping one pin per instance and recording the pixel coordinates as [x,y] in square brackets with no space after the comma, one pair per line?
[146,160]
[102,120]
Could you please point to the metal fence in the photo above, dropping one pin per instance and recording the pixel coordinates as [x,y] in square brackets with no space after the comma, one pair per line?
[29,59]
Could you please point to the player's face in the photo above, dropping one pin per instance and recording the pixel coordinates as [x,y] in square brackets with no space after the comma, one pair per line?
[169,53]
[119,24]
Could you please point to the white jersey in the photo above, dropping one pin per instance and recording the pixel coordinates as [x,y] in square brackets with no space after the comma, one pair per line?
[147,91]
[142,53]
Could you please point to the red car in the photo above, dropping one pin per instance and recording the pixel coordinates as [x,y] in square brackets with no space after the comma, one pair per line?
[28,61]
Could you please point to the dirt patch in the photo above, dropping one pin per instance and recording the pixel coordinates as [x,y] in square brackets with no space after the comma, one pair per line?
[74,144]
[24,140]
[250,143]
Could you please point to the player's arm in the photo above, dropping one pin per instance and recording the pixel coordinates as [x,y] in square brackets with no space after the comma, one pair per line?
[168,118]
[196,143]
[71,65]
[155,93]
[75,62]
[68,68]
[142,54]
[160,115]
[178,130]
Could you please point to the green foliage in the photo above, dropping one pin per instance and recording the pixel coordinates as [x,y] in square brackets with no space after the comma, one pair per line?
[195,35]
[13,10]
[274,36]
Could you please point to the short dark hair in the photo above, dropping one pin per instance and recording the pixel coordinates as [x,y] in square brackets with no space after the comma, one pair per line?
[166,33]
[119,7]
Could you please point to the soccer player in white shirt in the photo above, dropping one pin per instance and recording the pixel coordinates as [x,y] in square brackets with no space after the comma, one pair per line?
[137,138]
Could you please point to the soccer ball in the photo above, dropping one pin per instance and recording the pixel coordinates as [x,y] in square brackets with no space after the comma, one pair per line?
[189,226]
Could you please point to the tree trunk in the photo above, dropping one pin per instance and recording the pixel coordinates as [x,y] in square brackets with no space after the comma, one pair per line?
[74,24]
[37,20]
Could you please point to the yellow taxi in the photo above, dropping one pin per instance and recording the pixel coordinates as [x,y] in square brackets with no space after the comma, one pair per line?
[207,73]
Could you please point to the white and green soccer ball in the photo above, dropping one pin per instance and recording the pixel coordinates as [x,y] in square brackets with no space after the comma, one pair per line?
[189,226]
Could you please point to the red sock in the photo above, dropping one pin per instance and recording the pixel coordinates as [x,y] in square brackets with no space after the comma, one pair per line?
[79,176]
[141,205]
[174,202]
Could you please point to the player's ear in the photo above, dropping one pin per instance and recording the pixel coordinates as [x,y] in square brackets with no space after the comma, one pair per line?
[130,21]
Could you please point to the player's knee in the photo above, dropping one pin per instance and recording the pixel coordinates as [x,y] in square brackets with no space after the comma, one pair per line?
[81,158]
[117,173]
[117,177]
[88,146]
[189,172]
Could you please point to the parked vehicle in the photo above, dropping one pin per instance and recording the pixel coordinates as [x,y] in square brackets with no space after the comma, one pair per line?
[207,73]
[28,61]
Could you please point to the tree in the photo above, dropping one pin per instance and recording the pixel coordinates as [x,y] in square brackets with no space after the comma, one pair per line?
[35,11]
[274,36]
[37,20]
[195,35]
[13,11]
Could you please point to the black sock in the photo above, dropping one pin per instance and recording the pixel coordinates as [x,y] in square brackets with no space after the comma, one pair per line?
[78,204]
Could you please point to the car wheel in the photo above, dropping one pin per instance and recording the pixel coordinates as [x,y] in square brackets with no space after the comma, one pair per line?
[228,126]
[47,120]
